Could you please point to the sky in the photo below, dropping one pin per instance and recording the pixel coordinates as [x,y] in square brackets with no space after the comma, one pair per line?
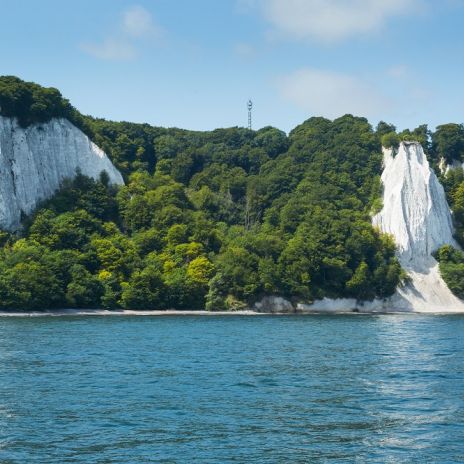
[195,63]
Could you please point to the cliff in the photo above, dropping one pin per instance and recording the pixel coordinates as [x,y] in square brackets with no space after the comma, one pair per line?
[35,160]
[416,213]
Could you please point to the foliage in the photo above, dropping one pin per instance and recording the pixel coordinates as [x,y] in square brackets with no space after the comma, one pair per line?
[453,183]
[448,142]
[384,128]
[452,268]
[420,134]
[390,140]
[206,219]
[31,103]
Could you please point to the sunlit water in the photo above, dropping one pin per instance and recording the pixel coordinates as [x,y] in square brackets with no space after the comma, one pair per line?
[381,389]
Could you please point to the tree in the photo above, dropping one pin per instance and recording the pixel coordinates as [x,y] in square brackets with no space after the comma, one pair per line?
[216,296]
[359,284]
[448,141]
[29,286]
[145,290]
[390,140]
[200,271]
[384,128]
[452,268]
[84,290]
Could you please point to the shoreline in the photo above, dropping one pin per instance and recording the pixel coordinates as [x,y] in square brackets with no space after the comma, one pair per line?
[173,312]
[126,313]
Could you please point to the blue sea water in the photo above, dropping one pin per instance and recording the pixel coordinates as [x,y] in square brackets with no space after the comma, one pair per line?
[220,389]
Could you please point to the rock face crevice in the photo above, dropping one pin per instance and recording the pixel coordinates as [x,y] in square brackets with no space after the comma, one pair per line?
[35,160]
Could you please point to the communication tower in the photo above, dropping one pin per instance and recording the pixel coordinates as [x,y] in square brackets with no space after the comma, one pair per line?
[250,107]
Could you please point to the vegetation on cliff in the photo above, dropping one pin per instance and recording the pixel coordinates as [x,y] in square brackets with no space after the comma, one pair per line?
[206,219]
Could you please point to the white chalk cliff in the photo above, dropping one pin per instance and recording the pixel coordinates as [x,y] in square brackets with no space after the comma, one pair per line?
[35,160]
[416,213]
[447,167]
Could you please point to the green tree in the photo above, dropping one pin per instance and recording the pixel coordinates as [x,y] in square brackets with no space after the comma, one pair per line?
[390,140]
[359,284]
[84,290]
[448,141]
[145,290]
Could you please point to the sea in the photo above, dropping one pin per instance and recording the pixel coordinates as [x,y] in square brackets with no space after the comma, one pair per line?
[232,389]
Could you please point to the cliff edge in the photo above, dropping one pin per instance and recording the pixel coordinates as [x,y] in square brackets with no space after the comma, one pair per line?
[35,160]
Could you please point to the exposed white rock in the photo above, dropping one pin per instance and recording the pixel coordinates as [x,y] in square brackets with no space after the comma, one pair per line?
[446,167]
[416,213]
[35,160]
[442,166]
[328,305]
[415,210]
[274,304]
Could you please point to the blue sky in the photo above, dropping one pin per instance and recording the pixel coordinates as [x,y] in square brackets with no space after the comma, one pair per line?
[195,63]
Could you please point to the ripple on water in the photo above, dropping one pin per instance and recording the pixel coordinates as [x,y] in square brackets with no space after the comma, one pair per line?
[232,389]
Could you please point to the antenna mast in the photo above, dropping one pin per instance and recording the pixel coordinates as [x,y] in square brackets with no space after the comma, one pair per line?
[250,107]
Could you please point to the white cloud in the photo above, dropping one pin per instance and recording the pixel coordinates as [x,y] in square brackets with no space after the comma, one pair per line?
[331,20]
[138,22]
[136,25]
[110,49]
[331,94]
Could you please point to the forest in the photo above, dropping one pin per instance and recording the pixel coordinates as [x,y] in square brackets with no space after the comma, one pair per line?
[215,220]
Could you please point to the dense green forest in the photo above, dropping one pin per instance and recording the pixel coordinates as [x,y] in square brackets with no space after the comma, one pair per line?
[210,220]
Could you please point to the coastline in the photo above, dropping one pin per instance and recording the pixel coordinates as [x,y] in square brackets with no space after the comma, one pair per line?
[127,312]
[177,313]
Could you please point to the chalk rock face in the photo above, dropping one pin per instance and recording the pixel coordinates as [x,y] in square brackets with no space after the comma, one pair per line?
[445,167]
[415,210]
[274,304]
[329,305]
[35,160]
[416,213]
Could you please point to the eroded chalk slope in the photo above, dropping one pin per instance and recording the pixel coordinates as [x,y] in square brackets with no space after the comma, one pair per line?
[416,213]
[35,160]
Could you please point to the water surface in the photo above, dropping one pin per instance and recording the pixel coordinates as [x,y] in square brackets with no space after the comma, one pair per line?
[386,388]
